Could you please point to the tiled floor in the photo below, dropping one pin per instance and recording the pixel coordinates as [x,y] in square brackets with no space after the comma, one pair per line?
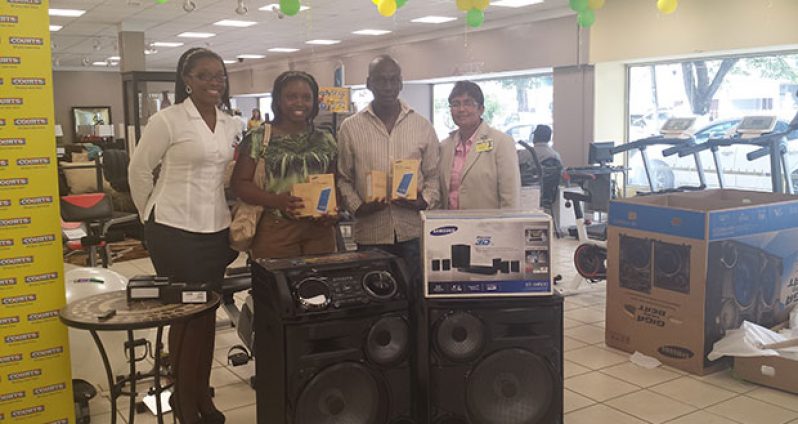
[601,384]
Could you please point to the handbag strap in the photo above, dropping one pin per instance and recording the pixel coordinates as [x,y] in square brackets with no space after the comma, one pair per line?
[260,166]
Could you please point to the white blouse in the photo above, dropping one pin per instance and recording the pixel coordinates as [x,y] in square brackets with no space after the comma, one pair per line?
[189,192]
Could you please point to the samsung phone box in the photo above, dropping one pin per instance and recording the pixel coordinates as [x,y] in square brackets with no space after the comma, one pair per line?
[486,253]
[684,268]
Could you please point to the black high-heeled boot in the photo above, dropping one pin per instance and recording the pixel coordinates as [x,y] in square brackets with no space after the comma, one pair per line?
[215,417]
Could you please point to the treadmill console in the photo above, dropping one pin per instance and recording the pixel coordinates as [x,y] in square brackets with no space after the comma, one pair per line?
[678,127]
[754,126]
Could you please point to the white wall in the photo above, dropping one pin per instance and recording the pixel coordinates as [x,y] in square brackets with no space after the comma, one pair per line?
[419,97]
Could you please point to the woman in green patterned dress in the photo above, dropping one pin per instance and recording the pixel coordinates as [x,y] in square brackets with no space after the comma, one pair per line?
[295,150]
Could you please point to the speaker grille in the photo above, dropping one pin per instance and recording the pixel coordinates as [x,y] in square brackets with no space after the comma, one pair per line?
[511,386]
[345,393]
[460,336]
[386,342]
[745,276]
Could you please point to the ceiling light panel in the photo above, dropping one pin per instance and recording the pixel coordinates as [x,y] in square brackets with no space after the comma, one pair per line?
[166,44]
[54,28]
[196,34]
[72,13]
[235,23]
[515,3]
[229,61]
[283,50]
[433,20]
[371,32]
[251,56]
[274,6]
[323,42]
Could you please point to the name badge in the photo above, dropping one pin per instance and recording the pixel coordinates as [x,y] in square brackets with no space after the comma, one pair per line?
[484,145]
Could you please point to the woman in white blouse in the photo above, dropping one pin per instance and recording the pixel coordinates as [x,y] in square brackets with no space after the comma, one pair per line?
[185,213]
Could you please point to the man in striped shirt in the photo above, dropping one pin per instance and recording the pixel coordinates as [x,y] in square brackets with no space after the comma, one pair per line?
[371,140]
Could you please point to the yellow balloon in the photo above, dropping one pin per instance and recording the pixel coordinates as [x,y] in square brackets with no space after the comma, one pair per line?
[481,4]
[377,2]
[464,5]
[667,6]
[386,7]
[595,4]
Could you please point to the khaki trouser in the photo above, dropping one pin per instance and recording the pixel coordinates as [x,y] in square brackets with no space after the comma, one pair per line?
[287,238]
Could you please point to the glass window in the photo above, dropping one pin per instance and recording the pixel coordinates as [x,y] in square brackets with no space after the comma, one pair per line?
[719,92]
[514,105]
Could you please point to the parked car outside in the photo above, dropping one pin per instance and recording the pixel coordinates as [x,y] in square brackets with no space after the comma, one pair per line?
[674,171]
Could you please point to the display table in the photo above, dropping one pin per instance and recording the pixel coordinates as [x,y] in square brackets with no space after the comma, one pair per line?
[138,315]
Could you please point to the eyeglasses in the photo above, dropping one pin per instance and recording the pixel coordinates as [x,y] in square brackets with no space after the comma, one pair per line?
[209,78]
[468,104]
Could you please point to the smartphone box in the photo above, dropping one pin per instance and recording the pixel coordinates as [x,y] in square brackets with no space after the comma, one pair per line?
[376,186]
[405,179]
[318,195]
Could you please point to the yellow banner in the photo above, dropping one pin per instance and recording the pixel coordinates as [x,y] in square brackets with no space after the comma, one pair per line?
[334,99]
[35,377]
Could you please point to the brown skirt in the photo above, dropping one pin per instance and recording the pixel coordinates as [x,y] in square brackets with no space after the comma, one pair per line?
[287,238]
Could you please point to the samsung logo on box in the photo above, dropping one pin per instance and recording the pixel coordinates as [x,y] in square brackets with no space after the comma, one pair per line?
[442,231]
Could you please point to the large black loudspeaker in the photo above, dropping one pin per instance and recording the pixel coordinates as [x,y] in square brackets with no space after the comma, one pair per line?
[333,340]
[492,361]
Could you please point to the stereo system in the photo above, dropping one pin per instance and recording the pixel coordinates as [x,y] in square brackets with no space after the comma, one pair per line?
[340,339]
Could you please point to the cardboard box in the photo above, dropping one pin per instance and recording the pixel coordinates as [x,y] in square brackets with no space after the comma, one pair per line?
[684,268]
[376,186]
[405,179]
[486,253]
[771,371]
[318,195]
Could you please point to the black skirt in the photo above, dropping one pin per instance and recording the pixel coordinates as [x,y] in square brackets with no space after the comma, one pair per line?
[184,256]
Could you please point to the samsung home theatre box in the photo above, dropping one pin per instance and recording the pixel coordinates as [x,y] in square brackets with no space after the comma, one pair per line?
[684,268]
[486,253]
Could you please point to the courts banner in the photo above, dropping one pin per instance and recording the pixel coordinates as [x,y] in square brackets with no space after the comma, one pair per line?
[35,380]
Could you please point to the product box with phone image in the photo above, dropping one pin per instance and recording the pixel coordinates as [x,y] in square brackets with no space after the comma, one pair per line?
[376,186]
[684,268]
[483,253]
[405,179]
[318,195]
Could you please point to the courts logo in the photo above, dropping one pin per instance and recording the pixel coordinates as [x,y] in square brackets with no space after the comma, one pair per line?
[33,2]
[33,161]
[13,222]
[26,41]
[38,316]
[5,397]
[30,122]
[24,337]
[11,141]
[3,163]
[5,203]
[8,282]
[24,412]
[49,389]
[46,353]
[10,359]
[33,201]
[10,60]
[11,182]
[18,300]
[21,260]
[2,122]
[11,101]
[9,19]
[28,81]
[6,242]
[9,320]
[44,238]
[38,278]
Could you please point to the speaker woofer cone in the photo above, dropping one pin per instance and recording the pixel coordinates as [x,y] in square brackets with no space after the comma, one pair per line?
[341,394]
[511,386]
[460,336]
[744,278]
[387,341]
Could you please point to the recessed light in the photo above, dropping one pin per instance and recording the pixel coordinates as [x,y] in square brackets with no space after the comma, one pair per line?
[283,50]
[323,42]
[274,6]
[100,63]
[371,32]
[72,13]
[235,23]
[54,28]
[166,44]
[196,34]
[114,58]
[433,20]
[150,51]
[229,61]
[515,3]
[250,56]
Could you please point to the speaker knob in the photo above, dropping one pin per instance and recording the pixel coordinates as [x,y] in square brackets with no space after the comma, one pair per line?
[379,284]
[313,293]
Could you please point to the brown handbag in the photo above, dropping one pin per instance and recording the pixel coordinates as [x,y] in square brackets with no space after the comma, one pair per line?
[245,216]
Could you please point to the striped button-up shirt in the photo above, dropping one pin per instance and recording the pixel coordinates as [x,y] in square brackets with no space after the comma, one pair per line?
[364,144]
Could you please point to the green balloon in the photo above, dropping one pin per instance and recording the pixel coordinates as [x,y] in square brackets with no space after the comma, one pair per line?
[475,17]
[579,5]
[289,7]
[586,18]
[161,1]
[400,3]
